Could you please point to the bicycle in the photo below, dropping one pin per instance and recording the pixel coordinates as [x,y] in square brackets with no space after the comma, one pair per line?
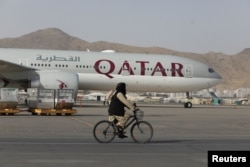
[141,131]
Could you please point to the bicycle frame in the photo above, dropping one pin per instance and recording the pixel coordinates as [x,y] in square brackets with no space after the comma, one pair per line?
[131,120]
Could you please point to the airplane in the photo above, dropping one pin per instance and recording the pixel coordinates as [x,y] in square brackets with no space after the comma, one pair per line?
[79,70]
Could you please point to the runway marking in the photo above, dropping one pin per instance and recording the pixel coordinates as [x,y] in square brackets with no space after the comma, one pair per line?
[82,121]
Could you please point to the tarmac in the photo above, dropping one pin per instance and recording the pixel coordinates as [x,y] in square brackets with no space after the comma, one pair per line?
[182,137]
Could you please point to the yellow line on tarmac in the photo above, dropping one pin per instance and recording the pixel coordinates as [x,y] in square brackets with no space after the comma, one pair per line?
[82,121]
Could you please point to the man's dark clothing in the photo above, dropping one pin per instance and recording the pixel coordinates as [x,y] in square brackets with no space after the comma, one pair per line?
[116,107]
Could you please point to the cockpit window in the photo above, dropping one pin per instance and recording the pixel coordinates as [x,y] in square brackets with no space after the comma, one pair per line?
[211,70]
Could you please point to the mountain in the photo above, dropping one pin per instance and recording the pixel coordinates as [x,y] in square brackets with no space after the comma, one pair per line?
[234,69]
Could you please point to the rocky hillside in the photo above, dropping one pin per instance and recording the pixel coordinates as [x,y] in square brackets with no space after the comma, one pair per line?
[235,69]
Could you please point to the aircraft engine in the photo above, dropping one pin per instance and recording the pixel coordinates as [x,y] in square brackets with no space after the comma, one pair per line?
[55,80]
[3,83]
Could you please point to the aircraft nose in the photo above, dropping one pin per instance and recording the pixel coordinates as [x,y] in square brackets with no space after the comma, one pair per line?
[217,76]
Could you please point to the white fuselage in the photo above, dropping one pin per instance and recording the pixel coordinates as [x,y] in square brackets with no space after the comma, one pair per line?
[102,71]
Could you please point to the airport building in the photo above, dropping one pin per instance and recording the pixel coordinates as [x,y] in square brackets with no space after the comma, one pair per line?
[203,97]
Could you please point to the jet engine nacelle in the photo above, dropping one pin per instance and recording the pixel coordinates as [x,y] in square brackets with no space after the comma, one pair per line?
[55,80]
[3,83]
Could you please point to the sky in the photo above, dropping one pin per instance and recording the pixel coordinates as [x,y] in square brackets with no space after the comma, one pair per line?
[198,26]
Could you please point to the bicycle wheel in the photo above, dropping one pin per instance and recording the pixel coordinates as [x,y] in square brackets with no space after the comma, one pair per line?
[141,132]
[104,132]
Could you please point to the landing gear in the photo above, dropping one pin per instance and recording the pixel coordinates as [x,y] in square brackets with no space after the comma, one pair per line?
[187,103]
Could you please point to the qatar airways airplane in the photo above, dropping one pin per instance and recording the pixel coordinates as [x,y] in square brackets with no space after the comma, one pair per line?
[54,69]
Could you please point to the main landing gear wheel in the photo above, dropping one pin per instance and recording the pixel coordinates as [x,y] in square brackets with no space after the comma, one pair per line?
[188,105]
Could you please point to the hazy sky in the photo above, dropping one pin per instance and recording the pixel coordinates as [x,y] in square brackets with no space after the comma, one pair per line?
[183,25]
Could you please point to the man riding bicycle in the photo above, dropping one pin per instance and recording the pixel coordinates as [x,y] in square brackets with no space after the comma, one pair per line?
[117,108]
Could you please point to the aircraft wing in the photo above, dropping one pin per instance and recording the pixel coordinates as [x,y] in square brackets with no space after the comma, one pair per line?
[11,71]
[7,67]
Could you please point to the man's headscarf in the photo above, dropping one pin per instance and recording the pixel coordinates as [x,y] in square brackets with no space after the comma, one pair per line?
[121,87]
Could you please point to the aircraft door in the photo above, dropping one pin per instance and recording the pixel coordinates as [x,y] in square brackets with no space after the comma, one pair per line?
[188,71]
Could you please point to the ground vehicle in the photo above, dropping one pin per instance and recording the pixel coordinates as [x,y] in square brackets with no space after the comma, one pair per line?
[141,131]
